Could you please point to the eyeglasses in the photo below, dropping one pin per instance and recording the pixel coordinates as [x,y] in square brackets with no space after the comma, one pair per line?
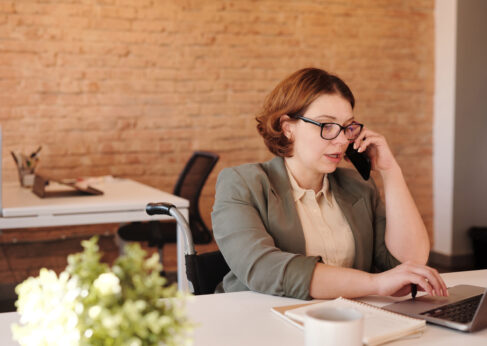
[331,131]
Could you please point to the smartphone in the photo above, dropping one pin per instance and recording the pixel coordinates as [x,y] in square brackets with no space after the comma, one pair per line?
[360,160]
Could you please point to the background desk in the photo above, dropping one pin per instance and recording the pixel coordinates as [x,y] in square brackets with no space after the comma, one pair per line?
[123,200]
[245,318]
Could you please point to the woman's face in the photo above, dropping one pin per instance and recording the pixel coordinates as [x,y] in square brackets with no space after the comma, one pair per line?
[311,152]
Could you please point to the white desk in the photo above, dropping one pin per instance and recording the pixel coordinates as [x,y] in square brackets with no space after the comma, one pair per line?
[123,200]
[245,318]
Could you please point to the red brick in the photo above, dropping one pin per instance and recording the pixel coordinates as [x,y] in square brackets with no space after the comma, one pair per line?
[118,12]
[7,7]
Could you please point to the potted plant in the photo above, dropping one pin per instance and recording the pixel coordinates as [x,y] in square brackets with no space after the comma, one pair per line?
[90,303]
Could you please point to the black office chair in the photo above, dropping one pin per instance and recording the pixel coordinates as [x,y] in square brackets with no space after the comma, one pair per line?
[189,186]
[204,271]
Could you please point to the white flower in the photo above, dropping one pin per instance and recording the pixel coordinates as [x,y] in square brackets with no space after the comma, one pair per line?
[107,283]
[94,311]
[46,305]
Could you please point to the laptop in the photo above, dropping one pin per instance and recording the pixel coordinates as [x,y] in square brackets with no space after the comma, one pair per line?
[464,309]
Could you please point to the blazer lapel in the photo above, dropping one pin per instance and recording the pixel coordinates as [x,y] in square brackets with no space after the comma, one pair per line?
[282,209]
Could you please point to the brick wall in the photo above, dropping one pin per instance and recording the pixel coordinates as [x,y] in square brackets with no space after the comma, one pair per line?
[132,87]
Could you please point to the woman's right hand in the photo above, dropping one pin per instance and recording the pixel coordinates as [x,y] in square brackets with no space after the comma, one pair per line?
[397,281]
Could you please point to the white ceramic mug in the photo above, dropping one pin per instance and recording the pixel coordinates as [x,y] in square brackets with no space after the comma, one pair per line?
[333,326]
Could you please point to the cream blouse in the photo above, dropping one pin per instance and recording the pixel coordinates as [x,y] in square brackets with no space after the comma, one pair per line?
[326,231]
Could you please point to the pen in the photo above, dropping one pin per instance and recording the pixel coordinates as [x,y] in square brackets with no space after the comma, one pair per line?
[15,157]
[34,154]
[414,290]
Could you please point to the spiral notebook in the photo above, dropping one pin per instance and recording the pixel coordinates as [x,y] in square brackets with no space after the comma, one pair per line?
[380,326]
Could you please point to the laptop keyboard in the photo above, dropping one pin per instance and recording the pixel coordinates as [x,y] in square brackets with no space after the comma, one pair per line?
[462,311]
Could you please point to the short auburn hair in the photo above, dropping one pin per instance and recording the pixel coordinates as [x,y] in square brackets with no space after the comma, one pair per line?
[292,96]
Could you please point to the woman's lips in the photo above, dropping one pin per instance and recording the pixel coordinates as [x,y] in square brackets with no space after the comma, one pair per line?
[336,157]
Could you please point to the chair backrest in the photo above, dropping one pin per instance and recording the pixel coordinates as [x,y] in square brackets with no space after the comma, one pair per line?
[189,186]
[205,271]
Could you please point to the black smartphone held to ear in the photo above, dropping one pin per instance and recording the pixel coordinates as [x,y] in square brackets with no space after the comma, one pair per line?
[360,160]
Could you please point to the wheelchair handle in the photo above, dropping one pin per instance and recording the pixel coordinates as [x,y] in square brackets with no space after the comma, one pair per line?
[158,208]
[163,208]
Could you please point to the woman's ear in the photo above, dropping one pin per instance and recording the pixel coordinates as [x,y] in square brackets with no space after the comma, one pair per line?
[286,126]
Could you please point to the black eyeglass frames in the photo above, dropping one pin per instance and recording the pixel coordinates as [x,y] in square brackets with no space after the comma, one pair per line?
[331,131]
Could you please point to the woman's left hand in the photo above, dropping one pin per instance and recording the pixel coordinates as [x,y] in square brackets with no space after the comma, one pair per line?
[377,149]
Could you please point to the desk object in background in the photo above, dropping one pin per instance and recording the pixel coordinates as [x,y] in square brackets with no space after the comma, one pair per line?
[26,166]
[64,188]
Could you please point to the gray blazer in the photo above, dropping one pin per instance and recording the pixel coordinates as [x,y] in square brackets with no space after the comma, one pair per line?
[257,228]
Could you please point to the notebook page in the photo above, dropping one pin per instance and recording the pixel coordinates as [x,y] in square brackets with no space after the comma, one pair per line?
[379,325]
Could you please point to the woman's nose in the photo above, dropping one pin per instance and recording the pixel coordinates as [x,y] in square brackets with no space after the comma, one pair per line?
[341,138]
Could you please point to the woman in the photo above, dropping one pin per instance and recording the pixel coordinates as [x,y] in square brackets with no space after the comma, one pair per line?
[298,226]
